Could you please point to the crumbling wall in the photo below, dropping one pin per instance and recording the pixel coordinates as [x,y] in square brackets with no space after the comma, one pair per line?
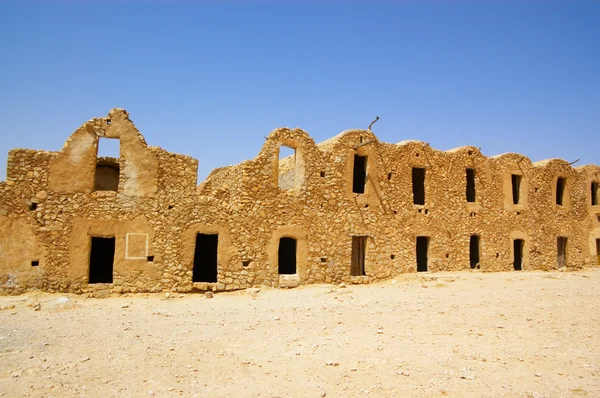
[73,168]
[51,208]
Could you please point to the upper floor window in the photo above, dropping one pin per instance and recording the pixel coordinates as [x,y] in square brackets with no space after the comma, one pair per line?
[595,193]
[471,185]
[516,180]
[418,185]
[106,177]
[561,183]
[286,167]
[359,176]
[290,166]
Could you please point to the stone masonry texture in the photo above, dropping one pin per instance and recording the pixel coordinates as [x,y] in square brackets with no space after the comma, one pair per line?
[55,205]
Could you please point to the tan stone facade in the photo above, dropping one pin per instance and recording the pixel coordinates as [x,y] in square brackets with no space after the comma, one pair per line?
[350,209]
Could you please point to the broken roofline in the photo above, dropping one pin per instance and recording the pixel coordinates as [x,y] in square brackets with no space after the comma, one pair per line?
[104,127]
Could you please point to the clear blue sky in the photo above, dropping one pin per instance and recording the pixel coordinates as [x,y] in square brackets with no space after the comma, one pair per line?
[211,80]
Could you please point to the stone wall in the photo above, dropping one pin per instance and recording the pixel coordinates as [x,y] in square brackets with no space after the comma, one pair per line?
[50,210]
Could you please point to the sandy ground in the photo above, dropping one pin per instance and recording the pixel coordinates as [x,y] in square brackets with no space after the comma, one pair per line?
[532,334]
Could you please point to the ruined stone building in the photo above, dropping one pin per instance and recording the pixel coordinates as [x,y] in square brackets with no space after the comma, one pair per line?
[350,209]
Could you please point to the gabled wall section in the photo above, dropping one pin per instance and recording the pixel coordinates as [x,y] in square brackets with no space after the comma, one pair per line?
[72,169]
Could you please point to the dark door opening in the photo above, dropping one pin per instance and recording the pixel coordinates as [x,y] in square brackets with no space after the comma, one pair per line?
[422,253]
[560,190]
[516,188]
[418,184]
[518,245]
[474,251]
[205,258]
[359,244]
[561,251]
[102,257]
[470,185]
[598,251]
[595,189]
[287,256]
[359,177]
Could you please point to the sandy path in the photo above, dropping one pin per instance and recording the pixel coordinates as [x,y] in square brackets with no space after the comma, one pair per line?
[460,334]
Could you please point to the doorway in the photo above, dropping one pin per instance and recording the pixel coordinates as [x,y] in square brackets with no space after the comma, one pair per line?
[205,258]
[422,253]
[561,251]
[518,245]
[287,256]
[474,251]
[359,244]
[102,257]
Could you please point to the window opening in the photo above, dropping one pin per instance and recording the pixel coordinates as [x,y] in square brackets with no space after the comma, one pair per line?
[106,177]
[561,183]
[35,263]
[359,244]
[205,258]
[518,245]
[474,251]
[422,253]
[516,188]
[595,192]
[102,257]
[561,251]
[287,167]
[418,184]
[359,178]
[470,185]
[287,256]
[108,147]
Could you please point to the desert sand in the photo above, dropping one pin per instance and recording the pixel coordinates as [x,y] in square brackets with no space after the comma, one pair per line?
[519,334]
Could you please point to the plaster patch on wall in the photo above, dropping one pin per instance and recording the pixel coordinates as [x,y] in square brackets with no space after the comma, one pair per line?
[136,246]
[79,147]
